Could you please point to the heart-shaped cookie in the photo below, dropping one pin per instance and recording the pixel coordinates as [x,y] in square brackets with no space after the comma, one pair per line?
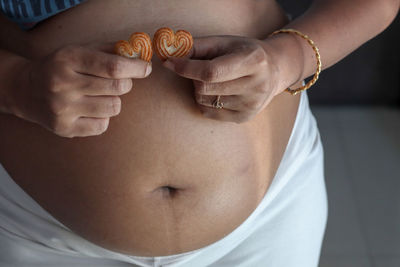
[167,44]
[139,46]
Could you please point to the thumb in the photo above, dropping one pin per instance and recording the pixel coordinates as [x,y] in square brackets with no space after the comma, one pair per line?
[107,47]
[207,47]
[172,62]
[204,48]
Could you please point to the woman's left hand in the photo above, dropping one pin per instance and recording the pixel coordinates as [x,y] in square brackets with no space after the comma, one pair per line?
[239,69]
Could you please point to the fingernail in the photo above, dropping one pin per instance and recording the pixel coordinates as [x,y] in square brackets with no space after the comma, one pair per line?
[169,65]
[148,69]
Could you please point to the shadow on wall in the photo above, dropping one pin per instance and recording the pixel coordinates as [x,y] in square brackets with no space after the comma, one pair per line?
[370,75]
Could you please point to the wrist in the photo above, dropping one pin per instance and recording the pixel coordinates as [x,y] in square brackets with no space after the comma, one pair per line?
[287,55]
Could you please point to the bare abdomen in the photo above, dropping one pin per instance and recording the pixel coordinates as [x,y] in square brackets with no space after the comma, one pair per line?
[163,179]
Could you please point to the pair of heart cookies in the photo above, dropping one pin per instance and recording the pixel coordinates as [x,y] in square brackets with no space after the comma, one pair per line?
[166,43]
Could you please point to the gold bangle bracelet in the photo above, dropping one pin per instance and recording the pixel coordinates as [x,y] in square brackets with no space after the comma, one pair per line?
[317,55]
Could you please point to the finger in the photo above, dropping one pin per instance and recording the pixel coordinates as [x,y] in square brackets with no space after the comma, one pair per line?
[95,86]
[225,114]
[239,86]
[208,47]
[231,102]
[220,69]
[238,103]
[90,126]
[101,64]
[99,106]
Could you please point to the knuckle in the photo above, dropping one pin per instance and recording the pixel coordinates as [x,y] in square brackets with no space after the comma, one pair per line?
[56,79]
[120,85]
[261,89]
[58,107]
[210,73]
[204,87]
[116,85]
[257,105]
[113,67]
[60,127]
[253,105]
[200,87]
[259,56]
[199,98]
[53,84]
[64,53]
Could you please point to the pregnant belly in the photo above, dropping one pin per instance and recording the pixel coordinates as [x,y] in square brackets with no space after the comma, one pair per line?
[163,179]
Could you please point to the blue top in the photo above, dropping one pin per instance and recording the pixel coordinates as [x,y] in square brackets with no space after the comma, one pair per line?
[26,13]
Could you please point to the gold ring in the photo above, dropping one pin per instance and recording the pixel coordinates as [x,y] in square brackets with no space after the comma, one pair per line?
[217,103]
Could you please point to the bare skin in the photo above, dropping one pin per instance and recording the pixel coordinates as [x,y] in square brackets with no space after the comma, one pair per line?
[117,181]
[163,177]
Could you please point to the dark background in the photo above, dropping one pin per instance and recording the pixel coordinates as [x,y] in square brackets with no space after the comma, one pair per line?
[368,76]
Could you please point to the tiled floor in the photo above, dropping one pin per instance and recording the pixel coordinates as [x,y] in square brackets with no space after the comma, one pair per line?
[362,168]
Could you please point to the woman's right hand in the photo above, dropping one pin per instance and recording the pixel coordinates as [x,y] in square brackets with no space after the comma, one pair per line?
[75,90]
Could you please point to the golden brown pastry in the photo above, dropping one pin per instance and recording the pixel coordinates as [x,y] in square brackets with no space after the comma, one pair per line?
[139,46]
[167,44]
